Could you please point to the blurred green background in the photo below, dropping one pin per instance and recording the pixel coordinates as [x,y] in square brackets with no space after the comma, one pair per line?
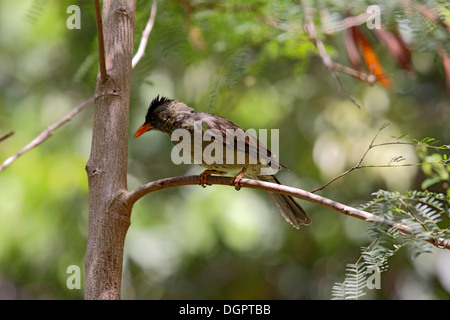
[212,243]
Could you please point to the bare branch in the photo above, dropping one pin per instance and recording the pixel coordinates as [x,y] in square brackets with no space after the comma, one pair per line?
[329,26]
[327,61]
[153,186]
[389,165]
[358,164]
[370,79]
[6,136]
[46,133]
[145,34]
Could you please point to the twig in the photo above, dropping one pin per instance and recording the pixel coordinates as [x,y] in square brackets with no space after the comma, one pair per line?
[327,61]
[145,34]
[373,145]
[352,21]
[6,136]
[47,133]
[358,165]
[371,166]
[157,185]
[101,45]
[370,79]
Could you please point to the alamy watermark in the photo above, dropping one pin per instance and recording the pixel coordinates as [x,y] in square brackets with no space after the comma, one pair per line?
[332,23]
[373,278]
[74,280]
[74,20]
[374,20]
[233,147]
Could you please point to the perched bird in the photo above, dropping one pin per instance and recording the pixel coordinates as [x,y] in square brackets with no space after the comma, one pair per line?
[170,116]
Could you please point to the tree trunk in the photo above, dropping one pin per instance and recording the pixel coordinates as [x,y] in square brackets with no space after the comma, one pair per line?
[109,213]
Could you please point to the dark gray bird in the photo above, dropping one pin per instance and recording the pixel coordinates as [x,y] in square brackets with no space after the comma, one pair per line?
[235,151]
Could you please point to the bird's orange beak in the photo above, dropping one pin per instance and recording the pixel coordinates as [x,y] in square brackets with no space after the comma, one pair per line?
[142,129]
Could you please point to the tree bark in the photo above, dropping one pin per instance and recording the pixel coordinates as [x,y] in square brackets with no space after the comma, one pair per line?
[109,213]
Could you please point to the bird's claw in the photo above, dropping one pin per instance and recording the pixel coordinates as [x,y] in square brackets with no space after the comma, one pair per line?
[203,178]
[237,182]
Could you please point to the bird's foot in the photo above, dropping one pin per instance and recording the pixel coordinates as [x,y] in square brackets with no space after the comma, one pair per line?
[238,178]
[203,178]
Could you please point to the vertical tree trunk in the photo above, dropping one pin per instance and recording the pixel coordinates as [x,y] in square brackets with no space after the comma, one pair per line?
[109,215]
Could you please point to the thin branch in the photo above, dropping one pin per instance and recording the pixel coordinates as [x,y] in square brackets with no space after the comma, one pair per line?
[358,164]
[444,147]
[327,61]
[370,79]
[335,178]
[418,164]
[373,145]
[412,215]
[329,26]
[46,133]
[6,136]
[153,186]
[101,45]
[145,34]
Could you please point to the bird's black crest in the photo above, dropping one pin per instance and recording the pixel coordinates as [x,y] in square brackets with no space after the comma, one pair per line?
[158,101]
[155,103]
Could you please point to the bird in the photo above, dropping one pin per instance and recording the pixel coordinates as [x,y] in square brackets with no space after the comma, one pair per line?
[171,116]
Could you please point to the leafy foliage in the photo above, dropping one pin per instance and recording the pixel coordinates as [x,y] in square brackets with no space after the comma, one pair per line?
[354,284]
[435,163]
[426,213]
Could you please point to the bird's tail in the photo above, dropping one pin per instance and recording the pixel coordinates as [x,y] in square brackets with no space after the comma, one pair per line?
[289,208]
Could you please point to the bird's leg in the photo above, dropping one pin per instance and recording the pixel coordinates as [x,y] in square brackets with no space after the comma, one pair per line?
[204,176]
[237,179]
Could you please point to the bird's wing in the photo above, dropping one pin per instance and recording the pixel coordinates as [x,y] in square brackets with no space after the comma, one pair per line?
[234,137]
